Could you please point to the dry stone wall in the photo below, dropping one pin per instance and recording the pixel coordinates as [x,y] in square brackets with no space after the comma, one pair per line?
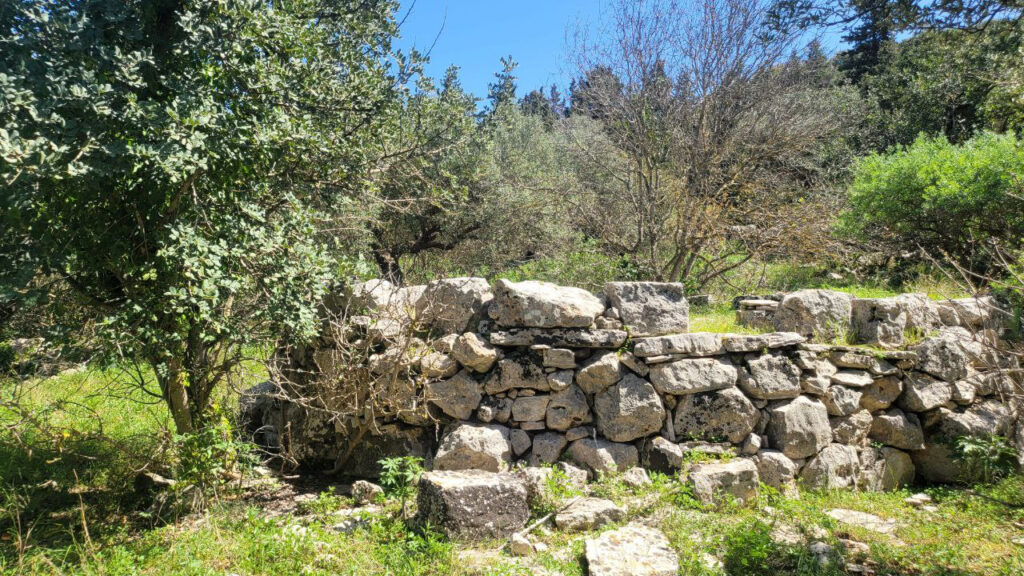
[485,377]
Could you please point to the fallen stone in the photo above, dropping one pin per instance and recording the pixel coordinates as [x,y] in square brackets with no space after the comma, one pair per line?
[364,492]
[519,545]
[736,478]
[634,550]
[588,514]
[863,520]
[601,456]
[472,504]
[635,478]
[474,447]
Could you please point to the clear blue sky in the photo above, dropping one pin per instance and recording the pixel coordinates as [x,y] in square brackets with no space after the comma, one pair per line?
[476,34]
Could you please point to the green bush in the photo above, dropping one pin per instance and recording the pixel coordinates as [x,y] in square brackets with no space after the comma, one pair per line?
[948,199]
[984,459]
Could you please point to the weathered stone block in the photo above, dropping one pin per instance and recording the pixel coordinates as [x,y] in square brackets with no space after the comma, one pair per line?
[472,504]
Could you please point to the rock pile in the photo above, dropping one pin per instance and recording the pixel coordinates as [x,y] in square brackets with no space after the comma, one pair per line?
[534,372]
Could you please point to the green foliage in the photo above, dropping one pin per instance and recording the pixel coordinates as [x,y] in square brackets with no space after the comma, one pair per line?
[398,477]
[325,503]
[210,456]
[984,458]
[948,199]
[170,160]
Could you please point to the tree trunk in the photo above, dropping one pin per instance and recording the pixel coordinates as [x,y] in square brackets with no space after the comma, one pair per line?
[390,268]
[176,395]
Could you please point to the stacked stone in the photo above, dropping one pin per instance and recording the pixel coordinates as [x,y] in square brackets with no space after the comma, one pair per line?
[537,373]
[756,312]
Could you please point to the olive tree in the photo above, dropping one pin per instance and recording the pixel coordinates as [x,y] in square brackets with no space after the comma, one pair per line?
[169,160]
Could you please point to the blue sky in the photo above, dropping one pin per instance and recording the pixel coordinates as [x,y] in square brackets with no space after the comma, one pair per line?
[475,35]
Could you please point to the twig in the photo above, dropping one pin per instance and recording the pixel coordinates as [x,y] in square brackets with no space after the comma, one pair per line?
[533,526]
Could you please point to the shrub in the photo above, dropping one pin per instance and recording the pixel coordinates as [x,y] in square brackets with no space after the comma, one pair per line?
[950,200]
[984,459]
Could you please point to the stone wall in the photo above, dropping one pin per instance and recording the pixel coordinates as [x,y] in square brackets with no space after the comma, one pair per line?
[482,377]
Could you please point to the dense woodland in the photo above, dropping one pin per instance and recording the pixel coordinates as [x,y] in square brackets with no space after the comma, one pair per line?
[181,182]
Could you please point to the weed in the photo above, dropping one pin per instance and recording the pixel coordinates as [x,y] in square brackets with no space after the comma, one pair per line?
[984,458]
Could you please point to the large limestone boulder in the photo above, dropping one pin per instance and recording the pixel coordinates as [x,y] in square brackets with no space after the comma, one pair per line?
[711,416]
[736,478]
[898,429]
[600,455]
[588,514]
[841,401]
[453,305]
[457,396]
[474,447]
[568,409]
[534,304]
[599,372]
[819,314]
[878,321]
[921,311]
[696,344]
[650,308]
[474,352]
[628,410]
[836,466]
[472,504]
[799,428]
[943,357]
[775,469]
[852,429]
[634,550]
[690,376]
[921,393]
[770,377]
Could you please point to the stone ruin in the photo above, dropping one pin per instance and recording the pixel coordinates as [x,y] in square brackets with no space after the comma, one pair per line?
[480,380]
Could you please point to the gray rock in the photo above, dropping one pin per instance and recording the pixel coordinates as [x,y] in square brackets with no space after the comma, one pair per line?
[836,466]
[898,429]
[881,393]
[635,364]
[602,456]
[453,305]
[438,365]
[689,376]
[364,492]
[547,448]
[475,353]
[737,478]
[696,344]
[520,441]
[879,321]
[841,401]
[852,378]
[559,358]
[457,397]
[876,366]
[921,393]
[760,342]
[661,455]
[568,409]
[472,504]
[921,311]
[852,429]
[770,377]
[775,469]
[963,392]
[650,308]
[943,358]
[720,415]
[560,338]
[600,371]
[863,520]
[534,304]
[474,447]
[560,380]
[516,373]
[635,477]
[751,445]
[530,408]
[634,550]
[588,514]
[896,469]
[799,428]
[628,410]
[820,314]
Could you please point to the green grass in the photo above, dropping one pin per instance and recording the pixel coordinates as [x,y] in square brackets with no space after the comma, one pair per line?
[94,426]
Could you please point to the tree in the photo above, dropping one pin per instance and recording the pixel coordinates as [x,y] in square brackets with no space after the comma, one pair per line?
[714,137]
[169,160]
[957,203]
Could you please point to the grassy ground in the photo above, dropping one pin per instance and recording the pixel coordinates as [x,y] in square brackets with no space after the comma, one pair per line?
[68,507]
